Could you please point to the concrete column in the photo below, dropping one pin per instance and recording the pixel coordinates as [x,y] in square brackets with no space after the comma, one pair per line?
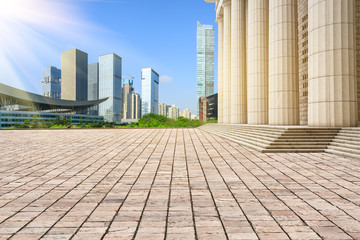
[238,110]
[283,63]
[220,69]
[332,78]
[227,61]
[257,66]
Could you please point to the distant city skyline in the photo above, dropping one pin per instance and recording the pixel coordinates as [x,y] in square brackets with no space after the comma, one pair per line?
[34,40]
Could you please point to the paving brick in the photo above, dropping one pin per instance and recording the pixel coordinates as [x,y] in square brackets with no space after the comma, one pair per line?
[170,183]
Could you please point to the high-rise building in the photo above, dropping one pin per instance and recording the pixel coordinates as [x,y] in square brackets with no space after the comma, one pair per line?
[205,60]
[208,107]
[285,63]
[133,106]
[51,82]
[128,87]
[173,112]
[110,85]
[74,75]
[93,86]
[150,91]
[186,113]
[163,109]
[131,101]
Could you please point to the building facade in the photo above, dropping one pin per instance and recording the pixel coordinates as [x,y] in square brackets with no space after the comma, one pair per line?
[13,118]
[93,86]
[173,112]
[128,87]
[205,60]
[208,107]
[186,113]
[163,109]
[74,75]
[133,106]
[110,85]
[51,82]
[289,62]
[202,108]
[150,91]
[131,101]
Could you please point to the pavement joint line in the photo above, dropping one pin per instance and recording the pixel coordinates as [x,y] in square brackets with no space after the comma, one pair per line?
[40,169]
[189,186]
[134,140]
[144,137]
[335,169]
[255,154]
[170,186]
[251,151]
[22,152]
[36,188]
[327,189]
[211,193]
[153,180]
[58,198]
[241,209]
[117,211]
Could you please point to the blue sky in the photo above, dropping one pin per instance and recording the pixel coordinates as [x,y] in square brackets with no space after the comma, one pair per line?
[159,33]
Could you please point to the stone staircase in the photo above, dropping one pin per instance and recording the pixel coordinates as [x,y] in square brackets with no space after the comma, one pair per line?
[266,138]
[346,143]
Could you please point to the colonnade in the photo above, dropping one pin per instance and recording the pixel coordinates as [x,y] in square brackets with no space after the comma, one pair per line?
[258,63]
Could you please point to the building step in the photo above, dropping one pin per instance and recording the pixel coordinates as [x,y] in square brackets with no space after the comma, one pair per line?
[349,137]
[344,149]
[307,137]
[297,146]
[275,139]
[291,150]
[342,154]
[295,143]
[256,141]
[349,144]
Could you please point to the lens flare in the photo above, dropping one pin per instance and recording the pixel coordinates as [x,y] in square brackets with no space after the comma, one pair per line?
[32,29]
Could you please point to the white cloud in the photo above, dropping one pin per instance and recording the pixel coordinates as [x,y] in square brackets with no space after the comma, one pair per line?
[165,79]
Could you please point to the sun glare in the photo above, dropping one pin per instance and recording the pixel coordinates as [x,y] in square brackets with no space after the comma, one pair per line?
[30,28]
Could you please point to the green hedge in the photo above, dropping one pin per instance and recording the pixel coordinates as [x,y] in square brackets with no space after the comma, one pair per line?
[148,121]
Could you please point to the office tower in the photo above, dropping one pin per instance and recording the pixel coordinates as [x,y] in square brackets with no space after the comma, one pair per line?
[205,60]
[133,106]
[194,117]
[186,113]
[128,87]
[163,109]
[93,86]
[150,91]
[131,101]
[110,85]
[51,82]
[287,64]
[173,112]
[74,75]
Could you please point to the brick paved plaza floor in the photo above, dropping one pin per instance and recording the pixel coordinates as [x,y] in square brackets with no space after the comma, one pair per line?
[169,183]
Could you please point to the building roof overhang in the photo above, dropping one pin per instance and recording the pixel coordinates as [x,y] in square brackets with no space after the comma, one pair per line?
[38,102]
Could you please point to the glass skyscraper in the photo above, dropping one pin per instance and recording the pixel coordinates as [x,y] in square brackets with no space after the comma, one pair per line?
[51,82]
[110,85]
[93,86]
[205,61]
[150,91]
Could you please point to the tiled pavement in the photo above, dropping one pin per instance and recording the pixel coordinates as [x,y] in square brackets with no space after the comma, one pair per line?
[169,183]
